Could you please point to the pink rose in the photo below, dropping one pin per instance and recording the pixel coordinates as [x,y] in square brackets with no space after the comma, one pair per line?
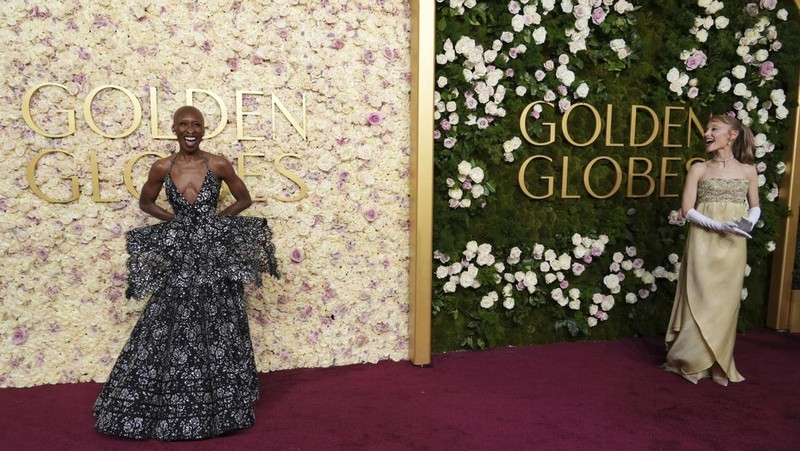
[374,118]
[297,255]
[19,336]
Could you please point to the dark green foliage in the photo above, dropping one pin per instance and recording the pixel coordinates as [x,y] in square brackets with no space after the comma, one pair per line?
[656,34]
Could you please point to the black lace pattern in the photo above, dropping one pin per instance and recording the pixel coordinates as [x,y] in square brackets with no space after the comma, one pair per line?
[188,371]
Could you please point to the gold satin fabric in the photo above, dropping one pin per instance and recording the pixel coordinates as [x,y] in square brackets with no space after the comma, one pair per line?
[702,328]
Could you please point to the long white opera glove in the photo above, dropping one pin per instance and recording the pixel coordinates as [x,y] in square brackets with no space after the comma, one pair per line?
[747,223]
[700,219]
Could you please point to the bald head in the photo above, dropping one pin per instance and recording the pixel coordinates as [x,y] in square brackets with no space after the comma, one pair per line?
[186,109]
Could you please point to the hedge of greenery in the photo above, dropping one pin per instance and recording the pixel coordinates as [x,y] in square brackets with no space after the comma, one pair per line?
[592,259]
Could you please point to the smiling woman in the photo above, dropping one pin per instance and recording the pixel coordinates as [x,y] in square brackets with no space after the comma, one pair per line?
[188,369]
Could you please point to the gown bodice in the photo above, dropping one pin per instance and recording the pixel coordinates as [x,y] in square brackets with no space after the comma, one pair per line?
[722,190]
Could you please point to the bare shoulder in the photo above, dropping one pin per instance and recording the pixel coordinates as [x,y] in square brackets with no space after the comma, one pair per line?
[218,164]
[161,166]
[747,171]
[697,170]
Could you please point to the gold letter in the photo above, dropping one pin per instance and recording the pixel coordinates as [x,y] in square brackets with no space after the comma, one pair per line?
[223,110]
[548,178]
[656,125]
[128,174]
[154,116]
[244,173]
[26,113]
[668,125]
[646,174]
[87,112]
[617,183]
[700,128]
[76,191]
[662,192]
[240,114]
[292,120]
[609,126]
[597,124]
[523,118]
[96,180]
[564,171]
[291,176]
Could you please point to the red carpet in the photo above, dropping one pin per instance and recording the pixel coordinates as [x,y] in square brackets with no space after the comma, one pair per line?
[577,396]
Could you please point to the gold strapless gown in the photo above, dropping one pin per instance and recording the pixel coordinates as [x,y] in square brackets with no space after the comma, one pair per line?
[702,329]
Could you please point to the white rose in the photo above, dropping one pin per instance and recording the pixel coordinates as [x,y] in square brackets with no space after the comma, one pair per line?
[485,259]
[477,191]
[617,44]
[672,75]
[777,96]
[449,287]
[740,90]
[464,167]
[607,304]
[549,278]
[575,304]
[539,35]
[476,174]
[701,35]
[465,279]
[721,22]
[442,272]
[538,250]
[441,82]
[518,23]
[530,281]
[489,300]
[582,91]
[631,298]
[739,71]
[724,85]
[455,193]
[564,261]
[743,50]
[611,281]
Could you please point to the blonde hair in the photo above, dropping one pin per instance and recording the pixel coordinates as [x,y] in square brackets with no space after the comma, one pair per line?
[744,143]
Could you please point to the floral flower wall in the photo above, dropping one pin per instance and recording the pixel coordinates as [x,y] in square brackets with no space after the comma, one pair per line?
[342,248]
[598,254]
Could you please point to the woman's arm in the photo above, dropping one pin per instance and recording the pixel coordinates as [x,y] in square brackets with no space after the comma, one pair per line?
[223,170]
[151,189]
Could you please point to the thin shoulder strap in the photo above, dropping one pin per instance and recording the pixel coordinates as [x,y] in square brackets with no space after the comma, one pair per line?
[203,154]
[172,162]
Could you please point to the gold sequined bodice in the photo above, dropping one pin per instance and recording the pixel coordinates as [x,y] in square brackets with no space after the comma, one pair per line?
[722,190]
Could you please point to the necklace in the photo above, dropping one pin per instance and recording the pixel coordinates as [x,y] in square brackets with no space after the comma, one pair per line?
[724,161]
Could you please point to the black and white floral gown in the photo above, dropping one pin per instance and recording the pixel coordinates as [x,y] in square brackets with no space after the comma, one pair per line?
[187,370]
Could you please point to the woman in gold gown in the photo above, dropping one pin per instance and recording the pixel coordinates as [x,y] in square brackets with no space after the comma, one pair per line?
[720,201]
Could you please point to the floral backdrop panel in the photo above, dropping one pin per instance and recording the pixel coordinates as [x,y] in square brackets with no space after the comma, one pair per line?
[563,130]
[310,102]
